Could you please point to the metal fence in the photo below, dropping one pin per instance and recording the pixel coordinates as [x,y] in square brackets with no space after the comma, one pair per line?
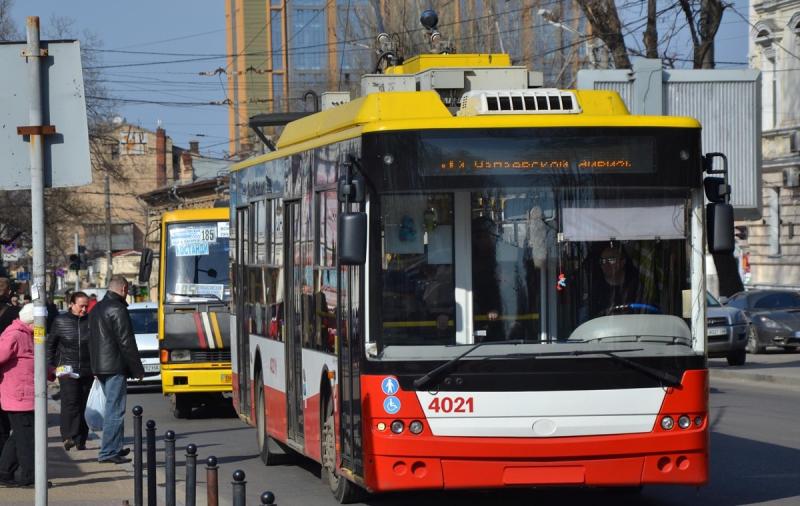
[238,485]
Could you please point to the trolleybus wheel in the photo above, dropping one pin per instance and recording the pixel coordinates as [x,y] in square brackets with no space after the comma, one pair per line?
[344,490]
[267,447]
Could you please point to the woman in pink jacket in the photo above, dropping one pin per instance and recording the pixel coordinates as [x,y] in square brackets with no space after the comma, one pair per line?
[16,398]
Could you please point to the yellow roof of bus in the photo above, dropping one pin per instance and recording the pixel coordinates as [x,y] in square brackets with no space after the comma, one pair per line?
[416,110]
[200,214]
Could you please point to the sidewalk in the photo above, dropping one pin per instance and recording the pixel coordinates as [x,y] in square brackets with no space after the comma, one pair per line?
[78,479]
[775,367]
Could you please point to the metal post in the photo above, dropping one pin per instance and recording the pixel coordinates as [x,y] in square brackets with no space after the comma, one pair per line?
[191,475]
[151,463]
[137,456]
[239,488]
[169,467]
[78,272]
[38,288]
[109,259]
[267,499]
[212,486]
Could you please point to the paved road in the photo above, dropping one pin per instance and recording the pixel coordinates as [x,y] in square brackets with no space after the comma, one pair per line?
[755,447]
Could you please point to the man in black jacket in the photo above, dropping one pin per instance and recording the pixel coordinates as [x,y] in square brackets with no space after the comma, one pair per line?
[115,357]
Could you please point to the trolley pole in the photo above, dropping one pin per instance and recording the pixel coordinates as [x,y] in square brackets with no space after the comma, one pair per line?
[33,55]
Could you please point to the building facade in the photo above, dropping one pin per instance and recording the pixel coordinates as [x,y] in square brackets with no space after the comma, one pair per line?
[771,245]
[282,55]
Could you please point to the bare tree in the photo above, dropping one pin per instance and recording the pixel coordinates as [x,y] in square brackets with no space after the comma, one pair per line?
[651,32]
[703,19]
[604,18]
[8,29]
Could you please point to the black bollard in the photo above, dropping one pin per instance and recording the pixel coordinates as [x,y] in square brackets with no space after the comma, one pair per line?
[137,456]
[151,463]
[191,475]
[212,486]
[239,488]
[169,467]
[267,499]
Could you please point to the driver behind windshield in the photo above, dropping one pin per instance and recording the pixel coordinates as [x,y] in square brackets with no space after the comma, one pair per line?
[619,288]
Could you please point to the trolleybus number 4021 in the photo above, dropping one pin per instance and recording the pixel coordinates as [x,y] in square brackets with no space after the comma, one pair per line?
[452,405]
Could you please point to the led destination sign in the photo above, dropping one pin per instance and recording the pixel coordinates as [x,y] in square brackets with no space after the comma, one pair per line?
[515,155]
[464,166]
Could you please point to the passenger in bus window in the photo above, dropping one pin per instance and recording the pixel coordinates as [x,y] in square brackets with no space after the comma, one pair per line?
[499,294]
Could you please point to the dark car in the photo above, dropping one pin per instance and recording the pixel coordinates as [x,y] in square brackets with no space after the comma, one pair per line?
[774,318]
[726,331]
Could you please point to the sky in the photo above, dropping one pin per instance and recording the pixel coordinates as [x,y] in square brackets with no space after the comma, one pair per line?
[136,38]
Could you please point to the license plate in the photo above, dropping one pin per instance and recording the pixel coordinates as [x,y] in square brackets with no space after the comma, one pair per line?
[152,367]
[717,331]
[226,379]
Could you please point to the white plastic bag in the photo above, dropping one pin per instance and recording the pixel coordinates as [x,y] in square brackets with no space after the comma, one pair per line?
[95,407]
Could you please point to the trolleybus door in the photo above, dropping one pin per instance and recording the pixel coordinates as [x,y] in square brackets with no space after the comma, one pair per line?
[242,329]
[293,261]
[349,356]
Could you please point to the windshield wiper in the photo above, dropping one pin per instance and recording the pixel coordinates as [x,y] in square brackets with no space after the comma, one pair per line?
[669,379]
[436,374]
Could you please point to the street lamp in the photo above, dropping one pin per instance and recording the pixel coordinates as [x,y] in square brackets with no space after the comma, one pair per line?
[552,19]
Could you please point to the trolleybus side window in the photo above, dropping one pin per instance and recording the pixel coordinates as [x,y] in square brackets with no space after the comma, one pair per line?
[273,277]
[325,294]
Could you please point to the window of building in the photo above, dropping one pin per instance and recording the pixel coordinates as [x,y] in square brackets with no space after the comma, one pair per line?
[308,32]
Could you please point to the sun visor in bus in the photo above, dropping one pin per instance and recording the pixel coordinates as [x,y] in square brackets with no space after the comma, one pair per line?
[663,221]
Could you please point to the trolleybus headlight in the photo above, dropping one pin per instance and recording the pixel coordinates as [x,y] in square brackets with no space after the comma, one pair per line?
[397,426]
[667,423]
[381,426]
[180,355]
[698,421]
[684,422]
[415,427]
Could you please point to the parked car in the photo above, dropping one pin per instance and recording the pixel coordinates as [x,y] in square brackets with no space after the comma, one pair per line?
[144,316]
[774,317]
[727,331]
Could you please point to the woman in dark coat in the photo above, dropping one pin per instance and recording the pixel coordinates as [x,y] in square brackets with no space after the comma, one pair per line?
[68,352]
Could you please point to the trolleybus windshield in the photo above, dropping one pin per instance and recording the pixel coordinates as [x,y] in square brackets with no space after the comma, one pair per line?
[196,261]
[499,254]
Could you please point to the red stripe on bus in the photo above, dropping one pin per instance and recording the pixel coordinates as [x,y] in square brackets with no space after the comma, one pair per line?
[200,334]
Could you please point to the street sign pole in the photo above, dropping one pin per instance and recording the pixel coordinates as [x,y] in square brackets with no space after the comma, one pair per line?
[38,292]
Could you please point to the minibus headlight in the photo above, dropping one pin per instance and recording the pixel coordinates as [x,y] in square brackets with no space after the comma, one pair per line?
[180,355]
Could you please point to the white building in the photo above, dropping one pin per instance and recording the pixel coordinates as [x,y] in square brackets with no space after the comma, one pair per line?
[773,243]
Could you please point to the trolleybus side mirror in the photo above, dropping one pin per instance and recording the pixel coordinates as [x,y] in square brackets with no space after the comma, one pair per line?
[145,265]
[352,240]
[351,190]
[719,226]
[717,190]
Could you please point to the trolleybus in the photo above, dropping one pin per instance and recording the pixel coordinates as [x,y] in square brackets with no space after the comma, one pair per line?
[193,313]
[503,289]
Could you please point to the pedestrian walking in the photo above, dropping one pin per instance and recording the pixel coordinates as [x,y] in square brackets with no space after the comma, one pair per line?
[68,353]
[114,358]
[16,397]
[8,313]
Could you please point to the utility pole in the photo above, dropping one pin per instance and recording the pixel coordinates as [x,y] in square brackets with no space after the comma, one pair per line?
[109,266]
[36,131]
[77,273]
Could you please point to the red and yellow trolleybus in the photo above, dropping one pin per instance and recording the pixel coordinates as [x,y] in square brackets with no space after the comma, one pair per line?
[502,288]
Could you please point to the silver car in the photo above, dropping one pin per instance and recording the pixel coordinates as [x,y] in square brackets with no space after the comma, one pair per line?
[144,317]
[727,331]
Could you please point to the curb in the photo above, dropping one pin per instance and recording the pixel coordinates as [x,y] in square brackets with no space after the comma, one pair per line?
[754,377]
